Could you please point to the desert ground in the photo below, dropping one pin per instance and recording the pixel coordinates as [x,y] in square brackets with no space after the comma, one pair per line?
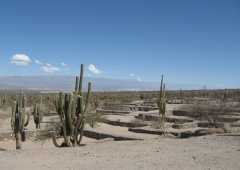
[116,147]
[200,153]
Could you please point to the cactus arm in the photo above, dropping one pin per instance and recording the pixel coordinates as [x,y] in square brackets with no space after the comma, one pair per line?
[27,120]
[76,84]
[79,105]
[79,110]
[81,80]
[81,123]
[88,97]
[81,132]
[161,89]
[54,139]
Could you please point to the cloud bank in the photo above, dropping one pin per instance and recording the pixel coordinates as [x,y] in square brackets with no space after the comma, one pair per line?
[49,68]
[21,60]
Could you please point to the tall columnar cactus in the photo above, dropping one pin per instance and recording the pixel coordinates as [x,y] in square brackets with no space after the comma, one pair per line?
[81,80]
[162,104]
[37,115]
[3,100]
[19,121]
[76,84]
[72,111]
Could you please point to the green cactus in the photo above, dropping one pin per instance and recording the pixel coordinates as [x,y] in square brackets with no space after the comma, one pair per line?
[37,115]
[72,112]
[76,84]
[162,104]
[19,121]
[81,115]
[3,100]
[81,80]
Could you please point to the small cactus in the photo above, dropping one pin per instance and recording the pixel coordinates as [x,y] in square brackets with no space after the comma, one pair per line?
[19,121]
[3,100]
[37,116]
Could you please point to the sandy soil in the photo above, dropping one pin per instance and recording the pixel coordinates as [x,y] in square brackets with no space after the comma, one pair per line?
[153,153]
[201,153]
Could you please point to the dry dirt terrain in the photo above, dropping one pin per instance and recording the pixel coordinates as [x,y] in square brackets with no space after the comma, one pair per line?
[211,152]
[200,153]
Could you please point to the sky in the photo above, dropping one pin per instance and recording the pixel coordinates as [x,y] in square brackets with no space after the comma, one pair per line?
[189,41]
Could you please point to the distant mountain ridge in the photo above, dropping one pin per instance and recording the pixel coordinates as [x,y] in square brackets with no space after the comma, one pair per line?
[67,83]
[57,82]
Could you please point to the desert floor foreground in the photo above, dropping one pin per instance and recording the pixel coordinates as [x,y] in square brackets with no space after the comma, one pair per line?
[199,153]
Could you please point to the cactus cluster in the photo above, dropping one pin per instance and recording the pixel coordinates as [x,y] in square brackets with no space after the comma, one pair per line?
[72,110]
[162,103]
[19,120]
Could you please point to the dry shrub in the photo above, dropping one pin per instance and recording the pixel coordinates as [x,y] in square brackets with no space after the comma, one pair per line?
[211,110]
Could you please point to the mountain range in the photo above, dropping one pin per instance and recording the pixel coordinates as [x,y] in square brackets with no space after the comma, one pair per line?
[57,82]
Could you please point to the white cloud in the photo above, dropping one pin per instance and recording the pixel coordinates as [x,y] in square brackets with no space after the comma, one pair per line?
[48,68]
[38,62]
[132,75]
[139,78]
[21,60]
[93,69]
[63,64]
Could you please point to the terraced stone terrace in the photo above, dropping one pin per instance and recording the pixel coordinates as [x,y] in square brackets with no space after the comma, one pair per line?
[179,123]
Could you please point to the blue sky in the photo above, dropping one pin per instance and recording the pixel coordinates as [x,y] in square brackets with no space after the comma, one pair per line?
[189,41]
